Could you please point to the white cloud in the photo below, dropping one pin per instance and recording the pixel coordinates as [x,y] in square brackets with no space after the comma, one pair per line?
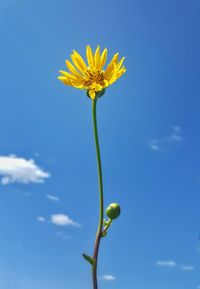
[52,198]
[154,144]
[165,143]
[175,136]
[63,220]
[14,169]
[41,219]
[107,278]
[187,268]
[166,263]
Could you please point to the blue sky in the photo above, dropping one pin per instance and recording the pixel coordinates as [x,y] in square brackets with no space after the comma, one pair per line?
[150,139]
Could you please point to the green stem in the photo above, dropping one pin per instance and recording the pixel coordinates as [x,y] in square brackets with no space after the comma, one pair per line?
[101,208]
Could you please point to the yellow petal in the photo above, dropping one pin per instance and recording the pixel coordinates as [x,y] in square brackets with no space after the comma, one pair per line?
[111,64]
[77,64]
[80,59]
[67,74]
[92,93]
[95,86]
[106,83]
[120,63]
[61,78]
[103,58]
[92,86]
[78,85]
[89,56]
[65,80]
[113,79]
[121,71]
[72,69]
[98,87]
[97,57]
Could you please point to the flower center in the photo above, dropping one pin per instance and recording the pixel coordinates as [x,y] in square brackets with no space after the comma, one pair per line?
[93,76]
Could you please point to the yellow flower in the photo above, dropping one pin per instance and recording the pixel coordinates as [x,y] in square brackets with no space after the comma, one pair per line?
[91,76]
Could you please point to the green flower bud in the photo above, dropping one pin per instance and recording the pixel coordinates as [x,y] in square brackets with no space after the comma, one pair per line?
[113,211]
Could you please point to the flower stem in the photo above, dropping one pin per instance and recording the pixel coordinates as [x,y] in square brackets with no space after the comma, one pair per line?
[101,203]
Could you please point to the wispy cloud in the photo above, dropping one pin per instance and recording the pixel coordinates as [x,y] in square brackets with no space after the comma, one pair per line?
[63,220]
[63,235]
[41,219]
[187,268]
[15,169]
[107,278]
[23,193]
[165,143]
[154,144]
[166,263]
[52,198]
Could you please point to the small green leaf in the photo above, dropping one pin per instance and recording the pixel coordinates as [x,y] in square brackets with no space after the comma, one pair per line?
[105,222]
[89,259]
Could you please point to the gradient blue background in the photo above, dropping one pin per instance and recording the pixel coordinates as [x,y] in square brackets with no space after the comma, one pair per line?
[159,191]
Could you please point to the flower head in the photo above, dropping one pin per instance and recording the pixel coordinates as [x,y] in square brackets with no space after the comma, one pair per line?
[91,76]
